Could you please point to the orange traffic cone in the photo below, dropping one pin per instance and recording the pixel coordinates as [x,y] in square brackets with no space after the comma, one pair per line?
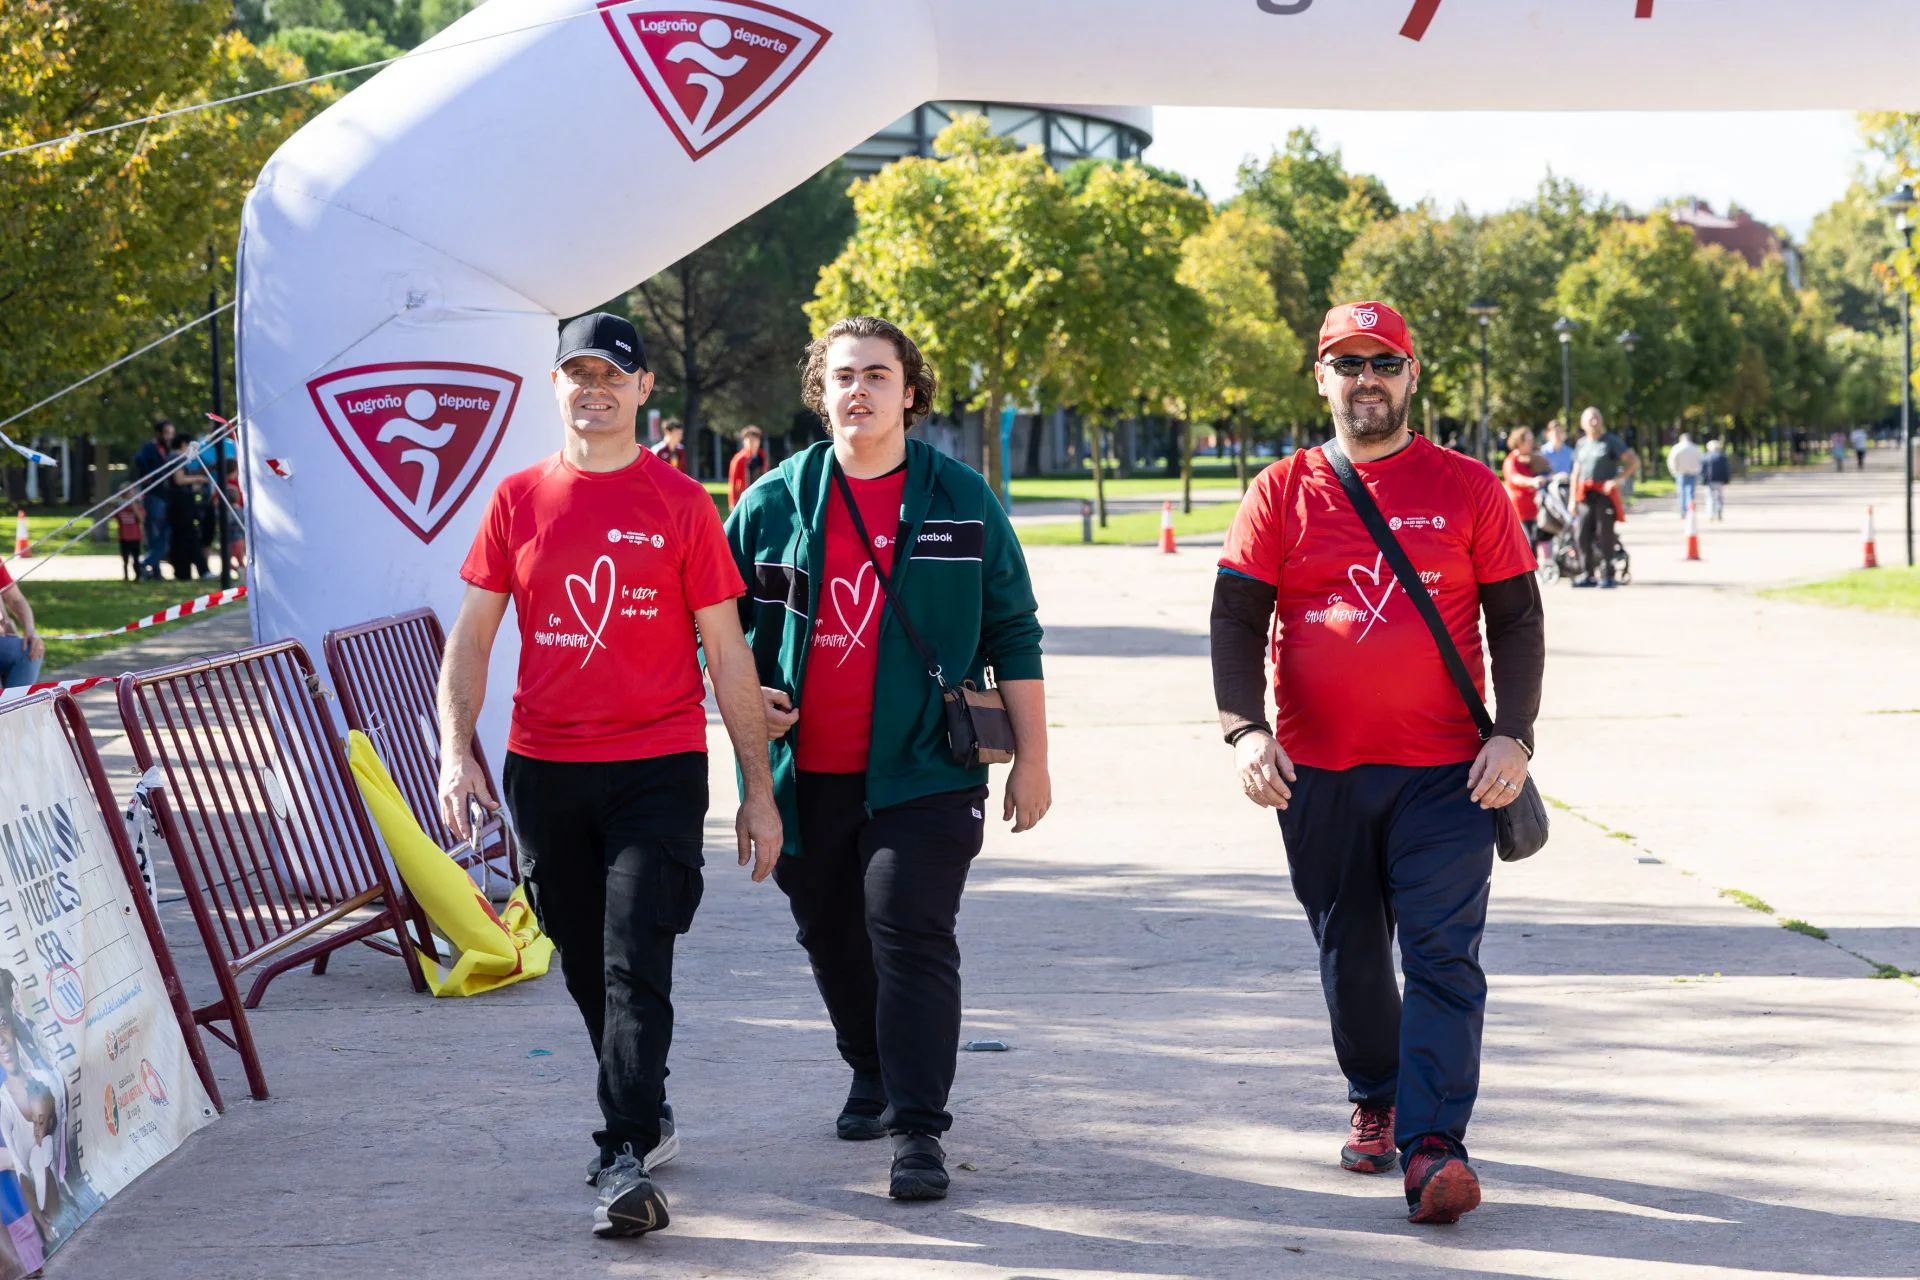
[1693,533]
[1872,558]
[1166,528]
[22,545]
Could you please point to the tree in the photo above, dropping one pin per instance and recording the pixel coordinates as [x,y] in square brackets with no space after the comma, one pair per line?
[1651,278]
[322,51]
[1130,328]
[1866,375]
[1249,365]
[1849,256]
[964,253]
[727,321]
[107,237]
[1307,192]
[1423,267]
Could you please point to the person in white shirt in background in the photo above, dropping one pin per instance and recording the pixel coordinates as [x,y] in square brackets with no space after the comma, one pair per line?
[1683,463]
[1860,447]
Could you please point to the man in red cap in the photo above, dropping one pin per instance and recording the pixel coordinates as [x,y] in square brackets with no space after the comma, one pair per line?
[1384,788]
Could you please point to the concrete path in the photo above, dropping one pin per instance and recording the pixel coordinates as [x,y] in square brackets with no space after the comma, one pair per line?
[1674,1085]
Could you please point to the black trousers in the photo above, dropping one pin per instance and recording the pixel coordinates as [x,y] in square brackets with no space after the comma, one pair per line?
[1382,846]
[1595,535]
[876,897]
[611,855]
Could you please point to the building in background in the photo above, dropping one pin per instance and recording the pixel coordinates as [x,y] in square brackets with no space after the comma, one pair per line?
[1737,232]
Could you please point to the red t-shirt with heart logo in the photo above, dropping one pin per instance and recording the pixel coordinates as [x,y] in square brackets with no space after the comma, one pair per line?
[1357,679]
[606,570]
[836,695]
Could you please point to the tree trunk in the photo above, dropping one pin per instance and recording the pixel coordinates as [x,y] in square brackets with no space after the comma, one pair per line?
[1095,439]
[992,462]
[689,369]
[1240,454]
[1186,467]
[1036,436]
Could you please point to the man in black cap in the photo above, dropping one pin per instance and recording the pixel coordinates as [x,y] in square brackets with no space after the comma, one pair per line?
[620,576]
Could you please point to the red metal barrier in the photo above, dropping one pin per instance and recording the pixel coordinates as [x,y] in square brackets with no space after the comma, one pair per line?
[264,822]
[387,672]
[80,738]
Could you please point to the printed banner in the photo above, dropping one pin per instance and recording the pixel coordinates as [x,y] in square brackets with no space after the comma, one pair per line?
[95,1082]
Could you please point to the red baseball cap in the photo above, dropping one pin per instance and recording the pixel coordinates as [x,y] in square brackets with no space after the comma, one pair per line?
[1374,320]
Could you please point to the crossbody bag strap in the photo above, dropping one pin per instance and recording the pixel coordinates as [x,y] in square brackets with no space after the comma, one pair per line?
[1410,584]
[886,585]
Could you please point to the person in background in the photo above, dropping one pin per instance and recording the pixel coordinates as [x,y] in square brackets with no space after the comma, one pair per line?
[127,522]
[236,529]
[748,465]
[1524,471]
[21,648]
[151,457]
[1683,463]
[1557,452]
[672,450]
[1837,447]
[1716,469]
[1860,447]
[185,551]
[1602,464]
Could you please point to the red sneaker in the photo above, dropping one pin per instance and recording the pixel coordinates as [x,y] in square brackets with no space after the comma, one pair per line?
[1369,1146]
[1441,1186]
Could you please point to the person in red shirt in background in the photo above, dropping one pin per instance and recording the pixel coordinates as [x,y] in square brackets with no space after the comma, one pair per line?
[620,576]
[748,465]
[127,522]
[1384,790]
[1522,473]
[672,449]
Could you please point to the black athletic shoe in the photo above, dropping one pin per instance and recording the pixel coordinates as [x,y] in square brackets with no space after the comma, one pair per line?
[919,1168]
[630,1205]
[664,1150]
[859,1119]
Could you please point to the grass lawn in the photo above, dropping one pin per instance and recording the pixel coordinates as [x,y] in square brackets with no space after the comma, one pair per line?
[1890,590]
[1141,527]
[95,606]
[39,526]
[1068,488]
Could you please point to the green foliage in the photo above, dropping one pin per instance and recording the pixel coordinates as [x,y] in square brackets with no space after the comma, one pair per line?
[323,51]
[970,255]
[1307,191]
[1848,259]
[1802,927]
[108,238]
[1747,900]
[723,325]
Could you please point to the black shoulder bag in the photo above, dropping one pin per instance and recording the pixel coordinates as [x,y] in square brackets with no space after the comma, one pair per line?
[979,730]
[1520,828]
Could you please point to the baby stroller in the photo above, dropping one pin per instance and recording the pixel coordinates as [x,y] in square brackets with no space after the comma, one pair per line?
[1557,522]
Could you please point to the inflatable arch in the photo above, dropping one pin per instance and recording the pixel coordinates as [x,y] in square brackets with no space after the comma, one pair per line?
[405,255]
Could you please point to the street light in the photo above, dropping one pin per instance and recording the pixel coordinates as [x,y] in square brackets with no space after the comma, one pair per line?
[1902,202]
[1628,339]
[1484,310]
[1564,328]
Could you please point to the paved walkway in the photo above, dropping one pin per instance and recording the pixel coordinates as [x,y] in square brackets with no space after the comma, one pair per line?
[1674,1085]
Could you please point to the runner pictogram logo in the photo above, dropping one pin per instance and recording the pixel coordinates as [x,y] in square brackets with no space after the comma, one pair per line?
[420,435]
[711,67]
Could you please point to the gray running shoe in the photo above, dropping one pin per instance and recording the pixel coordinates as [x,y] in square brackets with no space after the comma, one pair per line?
[666,1149]
[630,1205]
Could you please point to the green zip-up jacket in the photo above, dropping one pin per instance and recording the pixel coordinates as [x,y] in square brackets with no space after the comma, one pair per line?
[964,585]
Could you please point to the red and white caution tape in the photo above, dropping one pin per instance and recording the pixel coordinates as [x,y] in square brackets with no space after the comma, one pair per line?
[178,611]
[71,686]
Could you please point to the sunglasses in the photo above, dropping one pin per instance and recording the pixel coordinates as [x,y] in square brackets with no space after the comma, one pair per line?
[1383,366]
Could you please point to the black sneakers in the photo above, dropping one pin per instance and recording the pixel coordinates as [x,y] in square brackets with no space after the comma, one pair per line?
[919,1168]
[859,1119]
[630,1205]
[664,1150]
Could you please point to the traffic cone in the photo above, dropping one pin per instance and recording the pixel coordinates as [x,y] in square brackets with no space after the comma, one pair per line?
[1693,532]
[1166,528]
[1872,558]
[22,545]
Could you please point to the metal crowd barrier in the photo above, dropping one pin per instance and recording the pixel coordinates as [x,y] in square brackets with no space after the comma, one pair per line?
[387,672]
[264,823]
[80,738]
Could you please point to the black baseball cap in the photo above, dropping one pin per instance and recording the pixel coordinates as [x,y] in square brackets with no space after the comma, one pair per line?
[612,338]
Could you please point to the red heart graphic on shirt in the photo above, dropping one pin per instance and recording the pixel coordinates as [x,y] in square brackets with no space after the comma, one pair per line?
[1375,612]
[592,588]
[834,587]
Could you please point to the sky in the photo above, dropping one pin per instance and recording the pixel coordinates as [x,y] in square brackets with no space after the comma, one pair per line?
[1781,166]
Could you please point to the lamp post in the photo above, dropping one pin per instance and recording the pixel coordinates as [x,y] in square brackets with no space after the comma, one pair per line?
[1628,339]
[1563,328]
[1484,311]
[1902,202]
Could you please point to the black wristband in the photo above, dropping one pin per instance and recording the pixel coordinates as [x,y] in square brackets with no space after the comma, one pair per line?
[1233,738]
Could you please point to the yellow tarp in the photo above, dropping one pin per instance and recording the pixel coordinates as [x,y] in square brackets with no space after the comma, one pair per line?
[494,949]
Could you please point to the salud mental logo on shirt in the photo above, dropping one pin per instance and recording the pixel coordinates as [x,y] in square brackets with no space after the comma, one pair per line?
[420,435]
[712,67]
